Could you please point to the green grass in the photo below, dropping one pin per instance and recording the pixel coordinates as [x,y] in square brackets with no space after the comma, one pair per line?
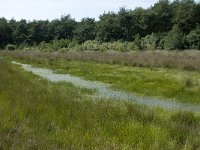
[173,84]
[37,114]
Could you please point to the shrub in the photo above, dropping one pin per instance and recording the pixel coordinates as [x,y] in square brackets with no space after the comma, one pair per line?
[174,39]
[55,45]
[117,45]
[60,44]
[43,46]
[193,38]
[137,42]
[95,45]
[131,46]
[26,47]
[104,46]
[160,40]
[149,42]
[11,47]
[91,45]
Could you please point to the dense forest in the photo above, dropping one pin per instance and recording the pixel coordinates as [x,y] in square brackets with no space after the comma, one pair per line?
[165,25]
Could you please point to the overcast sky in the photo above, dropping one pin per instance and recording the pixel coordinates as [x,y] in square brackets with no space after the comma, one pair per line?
[51,9]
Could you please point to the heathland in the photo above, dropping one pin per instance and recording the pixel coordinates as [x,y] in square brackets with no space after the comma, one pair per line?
[150,53]
[38,114]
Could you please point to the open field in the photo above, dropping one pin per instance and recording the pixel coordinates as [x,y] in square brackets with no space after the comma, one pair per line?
[120,80]
[173,84]
[38,114]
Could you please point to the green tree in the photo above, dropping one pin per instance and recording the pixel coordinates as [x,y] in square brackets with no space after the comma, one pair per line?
[39,31]
[185,14]
[162,15]
[193,38]
[108,28]
[174,39]
[150,42]
[64,27]
[20,33]
[140,21]
[5,33]
[86,30]
[127,22]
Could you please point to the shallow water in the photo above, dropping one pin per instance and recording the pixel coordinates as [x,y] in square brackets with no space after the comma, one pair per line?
[105,91]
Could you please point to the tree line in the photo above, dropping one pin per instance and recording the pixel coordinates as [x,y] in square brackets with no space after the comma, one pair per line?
[165,25]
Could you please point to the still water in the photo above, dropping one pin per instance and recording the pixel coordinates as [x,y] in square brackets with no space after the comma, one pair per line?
[105,91]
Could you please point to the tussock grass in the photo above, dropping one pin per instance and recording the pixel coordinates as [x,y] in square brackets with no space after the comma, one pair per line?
[36,114]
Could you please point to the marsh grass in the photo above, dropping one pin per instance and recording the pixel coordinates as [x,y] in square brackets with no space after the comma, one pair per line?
[37,114]
[171,84]
[185,60]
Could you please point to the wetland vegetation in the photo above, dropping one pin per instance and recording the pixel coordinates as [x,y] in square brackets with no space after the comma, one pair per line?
[38,114]
[130,80]
[175,84]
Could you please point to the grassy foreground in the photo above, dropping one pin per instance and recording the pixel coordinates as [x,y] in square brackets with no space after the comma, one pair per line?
[36,114]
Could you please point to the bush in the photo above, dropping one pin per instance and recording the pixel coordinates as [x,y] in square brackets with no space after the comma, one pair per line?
[55,45]
[43,46]
[131,46]
[91,45]
[161,41]
[137,42]
[149,42]
[11,47]
[26,47]
[117,45]
[174,39]
[193,38]
[95,45]
[60,44]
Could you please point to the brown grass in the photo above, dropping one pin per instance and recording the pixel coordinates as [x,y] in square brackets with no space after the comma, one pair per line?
[186,60]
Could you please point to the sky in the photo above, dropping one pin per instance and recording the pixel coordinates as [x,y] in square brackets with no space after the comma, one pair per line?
[52,9]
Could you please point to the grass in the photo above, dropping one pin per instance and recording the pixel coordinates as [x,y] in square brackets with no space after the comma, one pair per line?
[182,86]
[173,84]
[185,60]
[37,114]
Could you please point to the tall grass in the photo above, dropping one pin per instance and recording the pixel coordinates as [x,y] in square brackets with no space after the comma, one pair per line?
[171,84]
[186,60]
[36,114]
